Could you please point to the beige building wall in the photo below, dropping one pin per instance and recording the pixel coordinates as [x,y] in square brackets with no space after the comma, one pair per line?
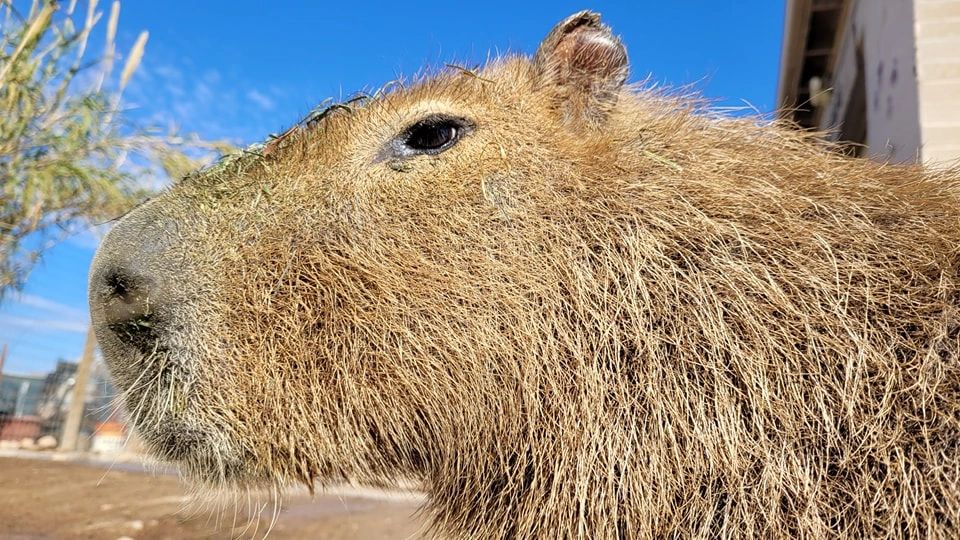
[875,56]
[884,74]
[937,27]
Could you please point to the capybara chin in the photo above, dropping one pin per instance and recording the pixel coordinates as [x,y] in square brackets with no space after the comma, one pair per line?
[565,306]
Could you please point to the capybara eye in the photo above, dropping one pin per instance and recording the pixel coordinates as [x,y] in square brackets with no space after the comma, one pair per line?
[432,135]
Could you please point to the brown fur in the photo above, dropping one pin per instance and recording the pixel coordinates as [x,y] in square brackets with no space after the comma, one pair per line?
[628,318]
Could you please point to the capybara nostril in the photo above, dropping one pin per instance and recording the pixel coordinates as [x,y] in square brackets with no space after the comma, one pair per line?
[128,310]
[117,284]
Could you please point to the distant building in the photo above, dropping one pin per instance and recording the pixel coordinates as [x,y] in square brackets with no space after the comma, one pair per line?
[108,437]
[20,394]
[56,395]
[31,406]
[102,405]
[883,74]
[19,400]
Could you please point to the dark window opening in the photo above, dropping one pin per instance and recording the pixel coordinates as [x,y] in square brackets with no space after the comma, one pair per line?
[853,131]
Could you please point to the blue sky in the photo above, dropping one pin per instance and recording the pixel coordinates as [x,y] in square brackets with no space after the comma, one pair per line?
[241,69]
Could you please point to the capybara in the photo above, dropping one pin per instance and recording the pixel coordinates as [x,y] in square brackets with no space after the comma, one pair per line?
[565,306]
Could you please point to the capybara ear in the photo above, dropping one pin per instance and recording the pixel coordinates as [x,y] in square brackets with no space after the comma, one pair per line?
[585,65]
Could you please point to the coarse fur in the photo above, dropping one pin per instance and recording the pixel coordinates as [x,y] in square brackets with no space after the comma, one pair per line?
[603,313]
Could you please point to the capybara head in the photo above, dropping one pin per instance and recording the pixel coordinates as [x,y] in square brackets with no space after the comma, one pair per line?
[564,306]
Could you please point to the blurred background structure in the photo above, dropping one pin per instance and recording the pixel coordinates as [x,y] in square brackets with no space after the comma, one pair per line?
[883,75]
[35,410]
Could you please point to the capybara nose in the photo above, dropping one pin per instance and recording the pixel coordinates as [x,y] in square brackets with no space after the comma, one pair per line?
[127,308]
[129,285]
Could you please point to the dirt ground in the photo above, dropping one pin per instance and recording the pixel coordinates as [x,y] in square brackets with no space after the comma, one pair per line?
[44,499]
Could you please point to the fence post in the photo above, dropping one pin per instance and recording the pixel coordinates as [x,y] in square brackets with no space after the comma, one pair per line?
[71,429]
[3,358]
